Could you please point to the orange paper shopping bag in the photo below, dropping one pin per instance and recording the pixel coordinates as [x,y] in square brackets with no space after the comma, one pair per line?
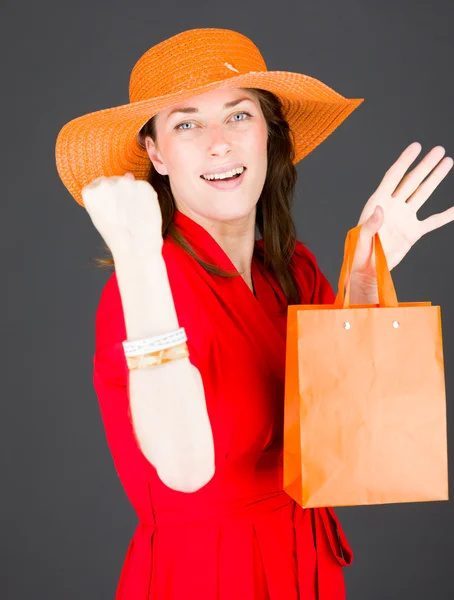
[365,405]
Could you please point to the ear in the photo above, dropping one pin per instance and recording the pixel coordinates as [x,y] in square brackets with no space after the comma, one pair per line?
[155,156]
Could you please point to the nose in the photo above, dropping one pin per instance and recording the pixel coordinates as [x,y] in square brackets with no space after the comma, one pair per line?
[219,140]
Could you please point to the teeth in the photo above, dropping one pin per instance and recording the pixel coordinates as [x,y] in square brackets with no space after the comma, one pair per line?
[224,175]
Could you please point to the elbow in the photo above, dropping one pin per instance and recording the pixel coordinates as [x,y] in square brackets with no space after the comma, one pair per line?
[188,477]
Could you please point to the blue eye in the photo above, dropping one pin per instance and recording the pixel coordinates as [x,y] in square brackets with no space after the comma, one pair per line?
[242,113]
[181,128]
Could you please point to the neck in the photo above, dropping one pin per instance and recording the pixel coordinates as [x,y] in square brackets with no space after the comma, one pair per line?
[236,237]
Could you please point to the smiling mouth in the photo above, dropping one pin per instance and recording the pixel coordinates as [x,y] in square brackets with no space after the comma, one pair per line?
[236,176]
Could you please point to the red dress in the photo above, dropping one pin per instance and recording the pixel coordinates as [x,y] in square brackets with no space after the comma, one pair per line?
[241,536]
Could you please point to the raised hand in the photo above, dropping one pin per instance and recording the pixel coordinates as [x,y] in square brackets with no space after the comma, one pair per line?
[392,210]
[125,211]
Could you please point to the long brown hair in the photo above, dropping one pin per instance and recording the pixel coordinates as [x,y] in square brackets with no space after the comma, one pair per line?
[273,216]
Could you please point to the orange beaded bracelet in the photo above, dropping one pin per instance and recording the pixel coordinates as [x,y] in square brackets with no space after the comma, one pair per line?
[158,357]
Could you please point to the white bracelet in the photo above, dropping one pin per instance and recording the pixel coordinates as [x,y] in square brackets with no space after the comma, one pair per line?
[157,342]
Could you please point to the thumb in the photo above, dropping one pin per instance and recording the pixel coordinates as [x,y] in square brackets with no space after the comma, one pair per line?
[129,175]
[374,222]
[368,230]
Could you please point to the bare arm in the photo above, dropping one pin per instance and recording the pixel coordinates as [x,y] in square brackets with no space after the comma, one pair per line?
[168,406]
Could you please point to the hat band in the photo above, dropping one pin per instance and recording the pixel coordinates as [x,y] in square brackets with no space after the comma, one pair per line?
[147,85]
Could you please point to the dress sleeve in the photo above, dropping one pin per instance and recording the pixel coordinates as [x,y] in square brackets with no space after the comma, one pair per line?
[109,360]
[315,287]
[111,383]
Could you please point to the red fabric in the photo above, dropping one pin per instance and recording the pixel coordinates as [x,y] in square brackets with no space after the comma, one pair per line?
[240,536]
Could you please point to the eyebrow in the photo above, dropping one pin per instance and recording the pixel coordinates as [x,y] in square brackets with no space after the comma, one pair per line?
[191,109]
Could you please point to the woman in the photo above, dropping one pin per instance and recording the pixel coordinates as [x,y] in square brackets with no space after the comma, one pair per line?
[190,328]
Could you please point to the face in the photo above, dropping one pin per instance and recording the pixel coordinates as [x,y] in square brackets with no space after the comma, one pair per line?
[213,132]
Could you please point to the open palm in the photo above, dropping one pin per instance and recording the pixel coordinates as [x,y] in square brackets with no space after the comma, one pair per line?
[392,209]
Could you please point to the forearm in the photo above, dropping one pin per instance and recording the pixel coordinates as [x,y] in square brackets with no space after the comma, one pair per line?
[146,296]
[168,406]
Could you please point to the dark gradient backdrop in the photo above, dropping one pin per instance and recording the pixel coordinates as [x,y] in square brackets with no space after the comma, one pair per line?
[66,522]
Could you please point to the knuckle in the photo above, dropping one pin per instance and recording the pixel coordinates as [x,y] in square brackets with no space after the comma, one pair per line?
[142,183]
[96,182]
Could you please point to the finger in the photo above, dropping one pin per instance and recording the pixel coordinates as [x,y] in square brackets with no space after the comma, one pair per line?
[374,222]
[413,179]
[430,184]
[95,183]
[364,251]
[129,175]
[396,171]
[438,220]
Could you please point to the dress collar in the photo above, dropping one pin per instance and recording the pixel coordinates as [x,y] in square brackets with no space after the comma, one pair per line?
[263,315]
[268,308]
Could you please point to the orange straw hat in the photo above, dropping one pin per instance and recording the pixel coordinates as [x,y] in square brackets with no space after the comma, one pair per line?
[191,63]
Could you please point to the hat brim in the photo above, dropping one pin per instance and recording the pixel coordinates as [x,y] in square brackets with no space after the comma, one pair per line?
[105,142]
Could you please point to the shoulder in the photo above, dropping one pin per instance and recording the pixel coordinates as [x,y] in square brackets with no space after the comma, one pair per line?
[304,258]
[315,287]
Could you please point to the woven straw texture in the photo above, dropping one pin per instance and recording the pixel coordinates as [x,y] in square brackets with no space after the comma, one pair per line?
[190,63]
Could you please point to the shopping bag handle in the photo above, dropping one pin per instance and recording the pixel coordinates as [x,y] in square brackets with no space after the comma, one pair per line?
[386,291]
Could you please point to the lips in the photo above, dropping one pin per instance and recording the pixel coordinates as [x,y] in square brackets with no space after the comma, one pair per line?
[225,184]
[218,171]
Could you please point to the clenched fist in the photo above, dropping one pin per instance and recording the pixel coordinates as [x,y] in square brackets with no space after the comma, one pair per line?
[125,211]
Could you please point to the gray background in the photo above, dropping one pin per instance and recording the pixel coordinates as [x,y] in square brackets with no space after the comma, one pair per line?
[66,522]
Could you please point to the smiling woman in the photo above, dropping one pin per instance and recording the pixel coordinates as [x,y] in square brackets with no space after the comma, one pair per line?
[189,361]
[231,142]
[268,160]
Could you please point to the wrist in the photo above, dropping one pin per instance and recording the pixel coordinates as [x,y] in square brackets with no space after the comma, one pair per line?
[135,251]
